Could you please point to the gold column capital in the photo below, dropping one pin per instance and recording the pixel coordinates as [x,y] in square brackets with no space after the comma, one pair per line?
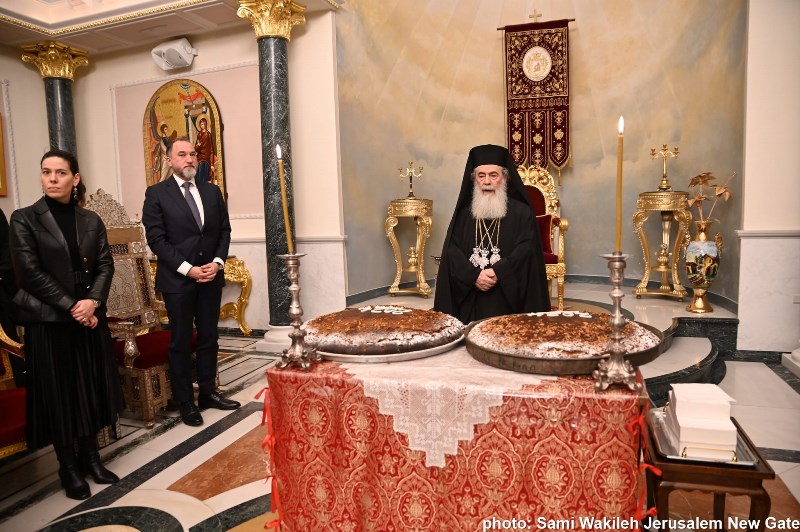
[272,18]
[55,60]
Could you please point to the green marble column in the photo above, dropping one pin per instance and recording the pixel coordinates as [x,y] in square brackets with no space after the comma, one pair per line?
[272,21]
[57,63]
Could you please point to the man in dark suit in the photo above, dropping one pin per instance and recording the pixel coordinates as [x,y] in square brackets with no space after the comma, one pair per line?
[188,229]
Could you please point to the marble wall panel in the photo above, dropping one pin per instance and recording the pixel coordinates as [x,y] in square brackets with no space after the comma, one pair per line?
[769,319]
[322,279]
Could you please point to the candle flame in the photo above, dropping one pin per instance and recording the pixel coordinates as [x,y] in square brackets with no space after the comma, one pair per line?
[621,126]
[278,150]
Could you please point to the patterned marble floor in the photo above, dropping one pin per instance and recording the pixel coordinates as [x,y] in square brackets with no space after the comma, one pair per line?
[176,477]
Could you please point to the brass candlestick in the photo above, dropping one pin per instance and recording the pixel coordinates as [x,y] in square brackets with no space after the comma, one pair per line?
[616,368]
[297,354]
[410,174]
[664,153]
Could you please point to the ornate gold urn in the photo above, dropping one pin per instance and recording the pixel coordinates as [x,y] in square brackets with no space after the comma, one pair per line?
[702,265]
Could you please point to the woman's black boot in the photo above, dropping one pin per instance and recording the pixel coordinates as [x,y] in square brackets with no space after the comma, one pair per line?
[71,478]
[91,465]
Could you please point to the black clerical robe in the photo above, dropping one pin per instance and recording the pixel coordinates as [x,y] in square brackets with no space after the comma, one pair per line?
[516,290]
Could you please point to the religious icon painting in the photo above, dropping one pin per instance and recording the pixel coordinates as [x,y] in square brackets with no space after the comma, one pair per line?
[183,108]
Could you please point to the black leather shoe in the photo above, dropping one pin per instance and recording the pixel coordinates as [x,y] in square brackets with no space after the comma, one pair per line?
[215,400]
[90,464]
[190,414]
[73,483]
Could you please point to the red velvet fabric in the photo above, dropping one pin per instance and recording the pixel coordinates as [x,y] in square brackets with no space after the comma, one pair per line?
[12,406]
[545,222]
[537,200]
[154,349]
[550,258]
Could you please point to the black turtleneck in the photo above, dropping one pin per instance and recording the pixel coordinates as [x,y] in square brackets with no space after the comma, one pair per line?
[64,213]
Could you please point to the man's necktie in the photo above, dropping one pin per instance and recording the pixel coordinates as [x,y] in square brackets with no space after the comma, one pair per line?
[192,204]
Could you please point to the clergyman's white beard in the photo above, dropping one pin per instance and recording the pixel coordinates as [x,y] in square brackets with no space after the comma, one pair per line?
[490,206]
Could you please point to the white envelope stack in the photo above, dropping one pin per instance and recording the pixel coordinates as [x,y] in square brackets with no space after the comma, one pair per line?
[698,422]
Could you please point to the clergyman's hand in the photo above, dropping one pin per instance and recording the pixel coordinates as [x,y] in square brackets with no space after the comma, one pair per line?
[486,280]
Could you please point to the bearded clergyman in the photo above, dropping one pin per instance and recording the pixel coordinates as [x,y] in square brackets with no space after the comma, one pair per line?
[492,261]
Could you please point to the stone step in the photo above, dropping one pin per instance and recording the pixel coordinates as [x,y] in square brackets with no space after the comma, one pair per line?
[791,361]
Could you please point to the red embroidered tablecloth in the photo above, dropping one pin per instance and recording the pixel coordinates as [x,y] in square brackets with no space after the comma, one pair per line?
[551,450]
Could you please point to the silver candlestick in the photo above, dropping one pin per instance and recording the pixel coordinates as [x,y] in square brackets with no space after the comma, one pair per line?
[616,368]
[298,354]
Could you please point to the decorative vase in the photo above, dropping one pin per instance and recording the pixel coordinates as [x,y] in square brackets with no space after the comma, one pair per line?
[702,265]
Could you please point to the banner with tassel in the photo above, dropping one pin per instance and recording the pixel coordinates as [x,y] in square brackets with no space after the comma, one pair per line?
[537,93]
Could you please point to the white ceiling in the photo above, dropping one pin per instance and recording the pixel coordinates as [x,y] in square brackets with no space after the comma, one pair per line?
[101,26]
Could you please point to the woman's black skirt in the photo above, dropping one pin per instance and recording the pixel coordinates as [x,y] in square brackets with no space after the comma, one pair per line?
[73,387]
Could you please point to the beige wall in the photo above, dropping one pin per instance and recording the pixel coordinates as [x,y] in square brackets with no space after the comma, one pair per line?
[769,313]
[772,169]
[413,85]
[24,128]
[423,82]
[109,102]
[109,130]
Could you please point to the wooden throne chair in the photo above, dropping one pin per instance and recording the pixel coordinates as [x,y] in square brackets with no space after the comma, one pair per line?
[142,347]
[542,191]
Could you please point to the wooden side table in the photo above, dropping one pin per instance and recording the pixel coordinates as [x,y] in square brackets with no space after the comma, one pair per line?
[672,206]
[422,211]
[709,477]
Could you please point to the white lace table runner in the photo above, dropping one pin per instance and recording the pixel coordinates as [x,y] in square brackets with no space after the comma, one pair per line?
[437,401]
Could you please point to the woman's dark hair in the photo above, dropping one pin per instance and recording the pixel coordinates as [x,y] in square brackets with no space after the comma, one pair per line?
[73,167]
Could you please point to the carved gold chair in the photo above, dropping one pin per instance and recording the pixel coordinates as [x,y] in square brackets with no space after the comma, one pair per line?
[12,400]
[543,194]
[142,348]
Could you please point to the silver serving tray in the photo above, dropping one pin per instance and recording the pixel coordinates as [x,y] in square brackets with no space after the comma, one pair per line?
[665,447]
[557,366]
[391,357]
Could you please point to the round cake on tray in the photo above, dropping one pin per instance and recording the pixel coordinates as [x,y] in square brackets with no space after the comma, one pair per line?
[556,342]
[381,330]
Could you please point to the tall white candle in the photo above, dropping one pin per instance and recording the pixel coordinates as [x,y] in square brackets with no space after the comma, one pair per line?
[618,242]
[284,201]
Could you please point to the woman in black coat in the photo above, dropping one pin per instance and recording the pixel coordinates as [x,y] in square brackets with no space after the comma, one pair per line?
[63,269]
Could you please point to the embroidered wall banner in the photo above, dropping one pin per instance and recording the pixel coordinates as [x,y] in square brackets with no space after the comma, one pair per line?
[537,93]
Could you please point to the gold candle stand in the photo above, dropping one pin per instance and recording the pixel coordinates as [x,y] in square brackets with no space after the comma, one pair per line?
[616,368]
[664,153]
[298,354]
